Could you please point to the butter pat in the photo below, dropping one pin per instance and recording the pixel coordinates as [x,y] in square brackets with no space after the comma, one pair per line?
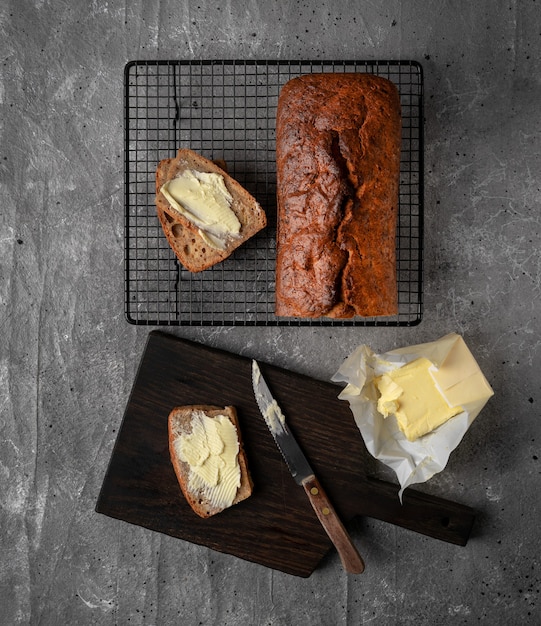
[203,199]
[211,451]
[411,394]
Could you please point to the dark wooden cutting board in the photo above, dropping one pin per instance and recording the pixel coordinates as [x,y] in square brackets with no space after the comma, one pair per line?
[276,526]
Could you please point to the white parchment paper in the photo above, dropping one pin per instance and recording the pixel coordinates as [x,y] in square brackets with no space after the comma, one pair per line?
[413,461]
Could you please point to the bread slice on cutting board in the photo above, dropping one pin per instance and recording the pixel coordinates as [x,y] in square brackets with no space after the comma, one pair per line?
[194,453]
[189,242]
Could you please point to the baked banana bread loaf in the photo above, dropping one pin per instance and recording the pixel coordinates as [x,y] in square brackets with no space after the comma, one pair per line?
[338,167]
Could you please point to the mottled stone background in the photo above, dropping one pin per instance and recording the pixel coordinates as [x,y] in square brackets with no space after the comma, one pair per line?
[68,357]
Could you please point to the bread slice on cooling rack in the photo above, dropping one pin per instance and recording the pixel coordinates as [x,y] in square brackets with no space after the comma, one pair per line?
[205,214]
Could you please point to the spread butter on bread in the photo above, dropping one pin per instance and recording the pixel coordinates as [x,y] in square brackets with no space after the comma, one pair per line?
[206,451]
[205,214]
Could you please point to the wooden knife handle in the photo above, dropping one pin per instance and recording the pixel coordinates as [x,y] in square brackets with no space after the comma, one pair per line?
[350,557]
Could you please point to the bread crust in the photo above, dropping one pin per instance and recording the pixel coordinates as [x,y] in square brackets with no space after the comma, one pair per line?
[180,422]
[183,237]
[338,168]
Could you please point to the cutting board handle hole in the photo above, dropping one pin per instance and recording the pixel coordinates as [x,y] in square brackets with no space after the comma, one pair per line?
[445,521]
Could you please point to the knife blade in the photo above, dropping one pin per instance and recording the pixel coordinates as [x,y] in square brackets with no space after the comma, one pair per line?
[303,474]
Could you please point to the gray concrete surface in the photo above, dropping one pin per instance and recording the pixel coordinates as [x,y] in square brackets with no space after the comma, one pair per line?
[68,357]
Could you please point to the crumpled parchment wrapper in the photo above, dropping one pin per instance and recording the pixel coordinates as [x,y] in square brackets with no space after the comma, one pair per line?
[413,461]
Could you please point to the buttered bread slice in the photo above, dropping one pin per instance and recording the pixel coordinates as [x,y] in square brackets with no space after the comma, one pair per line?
[205,214]
[208,458]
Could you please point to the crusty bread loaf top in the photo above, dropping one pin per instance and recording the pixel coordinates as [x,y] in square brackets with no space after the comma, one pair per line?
[183,236]
[338,161]
[180,423]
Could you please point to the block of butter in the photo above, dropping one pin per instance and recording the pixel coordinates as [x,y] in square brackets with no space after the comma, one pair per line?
[413,405]
[411,393]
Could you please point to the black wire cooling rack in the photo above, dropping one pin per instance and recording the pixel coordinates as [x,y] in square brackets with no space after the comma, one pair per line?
[227,110]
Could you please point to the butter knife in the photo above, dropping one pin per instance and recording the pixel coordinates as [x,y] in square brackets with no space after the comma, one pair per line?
[304,475]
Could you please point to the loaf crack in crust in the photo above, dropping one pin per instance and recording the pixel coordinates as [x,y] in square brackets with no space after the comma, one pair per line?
[338,168]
